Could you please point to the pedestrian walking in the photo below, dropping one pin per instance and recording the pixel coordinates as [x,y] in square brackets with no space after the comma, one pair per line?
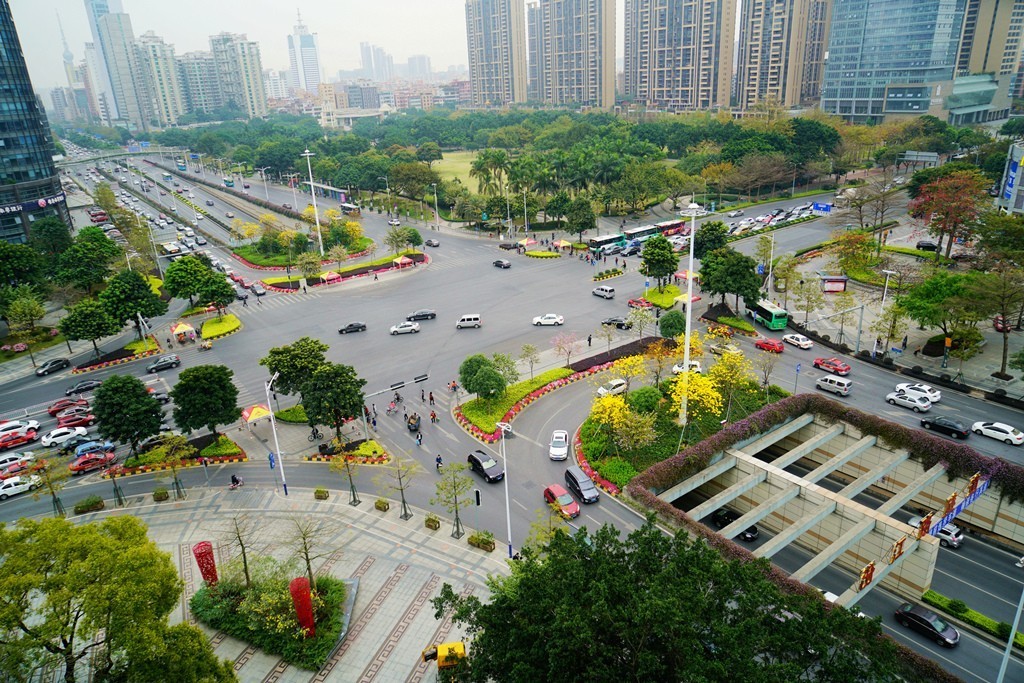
[375,276]
[259,301]
[431,398]
[590,338]
[904,342]
[169,344]
[373,422]
[433,417]
[405,414]
[423,396]
[304,289]
[419,438]
[245,302]
[373,407]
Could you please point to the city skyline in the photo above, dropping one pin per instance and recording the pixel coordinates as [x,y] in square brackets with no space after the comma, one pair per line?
[188,25]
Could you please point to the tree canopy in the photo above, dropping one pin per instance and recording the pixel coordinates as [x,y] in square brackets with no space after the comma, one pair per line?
[88,320]
[295,363]
[333,394]
[126,411]
[659,261]
[726,271]
[205,396]
[655,608]
[128,295]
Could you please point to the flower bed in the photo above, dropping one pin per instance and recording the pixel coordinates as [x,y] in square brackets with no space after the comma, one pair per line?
[221,327]
[483,425]
[122,471]
[119,357]
[607,274]
[543,254]
[577,445]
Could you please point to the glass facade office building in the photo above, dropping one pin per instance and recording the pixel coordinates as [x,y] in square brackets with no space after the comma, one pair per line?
[30,186]
[889,56]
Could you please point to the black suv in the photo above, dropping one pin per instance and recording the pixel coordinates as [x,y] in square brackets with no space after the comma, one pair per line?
[927,622]
[723,517]
[926,245]
[486,465]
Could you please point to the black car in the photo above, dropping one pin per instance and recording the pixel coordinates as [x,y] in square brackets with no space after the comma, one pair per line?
[257,289]
[946,425]
[241,293]
[486,465]
[422,314]
[620,323]
[631,250]
[69,446]
[52,366]
[161,396]
[612,249]
[209,202]
[502,263]
[927,622]
[353,327]
[927,245]
[723,517]
[164,362]
[82,387]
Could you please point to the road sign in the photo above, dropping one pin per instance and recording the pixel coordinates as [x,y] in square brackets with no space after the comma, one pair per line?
[271,459]
[483,216]
[798,368]
[760,269]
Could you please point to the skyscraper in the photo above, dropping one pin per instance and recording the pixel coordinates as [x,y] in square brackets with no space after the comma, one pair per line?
[576,53]
[496,35]
[678,53]
[890,57]
[29,184]
[239,72]
[533,41]
[378,65]
[781,51]
[103,90]
[163,81]
[126,75]
[304,59]
[419,68]
[991,38]
[197,74]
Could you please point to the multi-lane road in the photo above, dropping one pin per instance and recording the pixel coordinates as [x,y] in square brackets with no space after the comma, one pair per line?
[460,280]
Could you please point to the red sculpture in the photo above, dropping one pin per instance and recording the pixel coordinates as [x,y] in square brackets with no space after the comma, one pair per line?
[299,589]
[203,552]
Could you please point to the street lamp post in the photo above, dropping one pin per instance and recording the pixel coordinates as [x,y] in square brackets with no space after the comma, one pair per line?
[263,175]
[505,429]
[273,428]
[293,180]
[388,186]
[437,214]
[312,190]
[885,292]
[692,210]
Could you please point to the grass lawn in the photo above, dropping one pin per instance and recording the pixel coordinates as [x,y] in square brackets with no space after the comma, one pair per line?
[219,326]
[146,344]
[456,165]
[485,414]
[663,299]
[155,284]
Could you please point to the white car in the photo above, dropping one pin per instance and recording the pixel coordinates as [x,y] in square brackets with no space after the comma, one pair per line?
[919,404]
[798,340]
[405,328]
[15,485]
[694,366]
[999,430]
[58,436]
[616,386]
[18,426]
[548,319]
[394,222]
[8,459]
[929,392]
[734,214]
[559,449]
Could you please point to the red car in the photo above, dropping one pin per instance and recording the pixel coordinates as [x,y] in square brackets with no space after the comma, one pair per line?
[236,277]
[21,469]
[92,461]
[244,282]
[86,420]
[15,439]
[832,365]
[639,303]
[773,345]
[65,403]
[999,322]
[72,411]
[558,496]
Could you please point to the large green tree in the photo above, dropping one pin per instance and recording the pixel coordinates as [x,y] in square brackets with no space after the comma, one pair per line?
[939,300]
[86,262]
[726,271]
[657,608]
[20,264]
[185,277]
[127,296]
[50,237]
[580,216]
[205,396]
[181,653]
[295,363]
[215,290]
[710,236]
[88,320]
[126,411]
[70,592]
[332,395]
[659,260]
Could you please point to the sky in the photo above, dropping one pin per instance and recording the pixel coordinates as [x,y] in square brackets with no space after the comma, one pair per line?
[436,28]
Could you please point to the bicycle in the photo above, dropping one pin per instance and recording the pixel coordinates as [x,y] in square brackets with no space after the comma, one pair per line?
[316,435]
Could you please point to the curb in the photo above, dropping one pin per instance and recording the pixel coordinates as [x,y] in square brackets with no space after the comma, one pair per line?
[359,459]
[147,469]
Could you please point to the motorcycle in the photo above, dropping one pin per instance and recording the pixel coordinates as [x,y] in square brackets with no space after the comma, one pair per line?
[235,485]
[206,346]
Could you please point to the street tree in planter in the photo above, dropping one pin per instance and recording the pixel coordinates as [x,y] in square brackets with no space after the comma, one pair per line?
[88,320]
[398,477]
[529,354]
[726,271]
[332,395]
[659,261]
[216,291]
[580,217]
[205,396]
[295,363]
[470,367]
[309,265]
[126,411]
[184,278]
[413,237]
[51,482]
[128,295]
[452,491]
[672,324]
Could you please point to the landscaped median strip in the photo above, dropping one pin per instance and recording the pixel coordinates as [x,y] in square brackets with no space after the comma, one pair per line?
[528,398]
[958,609]
[120,361]
[122,471]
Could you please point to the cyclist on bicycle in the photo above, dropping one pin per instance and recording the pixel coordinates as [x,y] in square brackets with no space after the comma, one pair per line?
[398,397]
[391,407]
[438,462]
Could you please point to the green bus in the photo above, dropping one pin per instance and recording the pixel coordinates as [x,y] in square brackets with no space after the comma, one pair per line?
[768,314]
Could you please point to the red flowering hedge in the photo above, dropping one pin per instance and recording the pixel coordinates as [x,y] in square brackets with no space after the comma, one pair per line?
[577,445]
[958,460]
[122,471]
[118,361]
[491,437]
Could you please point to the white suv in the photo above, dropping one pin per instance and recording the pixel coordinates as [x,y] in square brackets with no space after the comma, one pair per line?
[950,535]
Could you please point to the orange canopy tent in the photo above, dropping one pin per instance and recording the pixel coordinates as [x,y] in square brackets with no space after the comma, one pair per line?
[254,413]
[178,328]
[402,261]
[330,276]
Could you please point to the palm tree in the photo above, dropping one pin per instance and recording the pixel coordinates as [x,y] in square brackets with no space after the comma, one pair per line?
[498,162]
[485,179]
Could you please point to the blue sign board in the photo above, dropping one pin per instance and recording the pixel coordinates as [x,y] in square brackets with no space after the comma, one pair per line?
[960,507]
[193,156]
[144,143]
[1011,179]
[270,457]
[821,208]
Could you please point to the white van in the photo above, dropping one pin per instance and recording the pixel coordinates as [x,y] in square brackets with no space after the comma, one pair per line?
[604,291]
[837,385]
[469,320]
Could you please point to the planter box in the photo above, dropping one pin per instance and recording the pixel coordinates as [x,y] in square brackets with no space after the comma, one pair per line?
[382,505]
[161,495]
[321,495]
[432,523]
[483,544]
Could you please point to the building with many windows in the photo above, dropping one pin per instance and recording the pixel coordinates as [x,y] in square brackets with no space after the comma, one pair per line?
[102,90]
[678,53]
[126,74]
[575,49]
[496,36]
[239,72]
[781,51]
[303,59]
[163,82]
[30,186]
[197,74]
